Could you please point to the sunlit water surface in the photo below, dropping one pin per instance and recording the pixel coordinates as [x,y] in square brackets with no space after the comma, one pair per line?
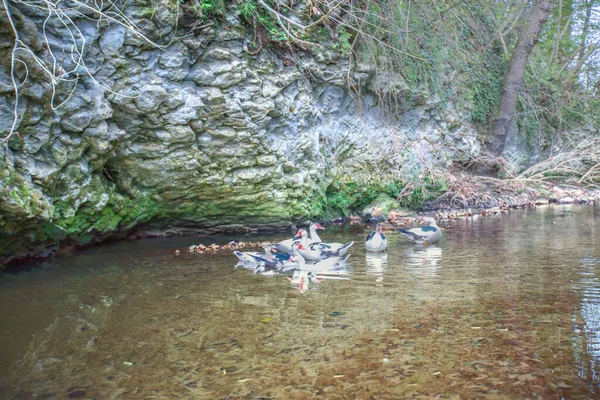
[503,307]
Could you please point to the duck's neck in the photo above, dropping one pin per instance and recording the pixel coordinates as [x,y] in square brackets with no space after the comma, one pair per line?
[305,239]
[313,234]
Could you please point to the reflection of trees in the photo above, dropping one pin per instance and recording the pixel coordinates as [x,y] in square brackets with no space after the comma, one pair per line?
[586,346]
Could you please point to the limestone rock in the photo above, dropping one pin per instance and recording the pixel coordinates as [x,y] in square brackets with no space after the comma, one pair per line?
[112,39]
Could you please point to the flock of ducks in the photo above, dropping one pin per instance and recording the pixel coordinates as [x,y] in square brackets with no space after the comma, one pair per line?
[307,255]
[311,259]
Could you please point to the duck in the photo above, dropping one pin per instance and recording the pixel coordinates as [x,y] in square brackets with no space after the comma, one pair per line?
[328,264]
[266,260]
[427,234]
[376,240]
[315,251]
[254,260]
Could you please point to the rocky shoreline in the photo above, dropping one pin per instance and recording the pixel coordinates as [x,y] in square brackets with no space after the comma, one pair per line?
[498,200]
[556,195]
[383,209]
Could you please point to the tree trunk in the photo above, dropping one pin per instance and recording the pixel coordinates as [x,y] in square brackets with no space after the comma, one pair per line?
[528,37]
[586,27]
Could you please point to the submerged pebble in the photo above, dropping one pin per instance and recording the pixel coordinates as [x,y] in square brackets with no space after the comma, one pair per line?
[77,394]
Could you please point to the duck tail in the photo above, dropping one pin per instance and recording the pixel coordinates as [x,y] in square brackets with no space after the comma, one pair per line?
[409,234]
[344,249]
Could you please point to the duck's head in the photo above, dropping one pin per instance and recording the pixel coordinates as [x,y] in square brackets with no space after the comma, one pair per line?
[380,228]
[241,256]
[296,259]
[298,246]
[429,220]
[300,234]
[317,225]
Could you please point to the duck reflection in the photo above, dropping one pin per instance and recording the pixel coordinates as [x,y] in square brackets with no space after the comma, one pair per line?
[424,260]
[377,264]
[302,278]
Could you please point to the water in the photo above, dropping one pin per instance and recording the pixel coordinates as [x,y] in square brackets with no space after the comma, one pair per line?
[503,307]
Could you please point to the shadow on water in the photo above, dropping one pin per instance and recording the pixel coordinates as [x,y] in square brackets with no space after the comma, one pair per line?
[502,307]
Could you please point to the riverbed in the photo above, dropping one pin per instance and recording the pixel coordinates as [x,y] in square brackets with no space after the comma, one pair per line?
[505,306]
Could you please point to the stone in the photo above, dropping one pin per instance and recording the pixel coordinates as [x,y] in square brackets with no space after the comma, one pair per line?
[174,57]
[266,160]
[151,98]
[7,113]
[78,121]
[112,39]
[541,201]
[187,112]
[221,74]
[34,141]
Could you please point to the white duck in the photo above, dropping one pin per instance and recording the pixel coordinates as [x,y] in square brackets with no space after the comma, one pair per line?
[285,246]
[427,234]
[376,240]
[329,264]
[318,250]
[265,260]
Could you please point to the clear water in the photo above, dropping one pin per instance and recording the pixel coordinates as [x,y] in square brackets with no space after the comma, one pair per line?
[503,307]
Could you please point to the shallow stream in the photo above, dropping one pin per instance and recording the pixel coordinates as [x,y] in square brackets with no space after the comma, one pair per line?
[503,307]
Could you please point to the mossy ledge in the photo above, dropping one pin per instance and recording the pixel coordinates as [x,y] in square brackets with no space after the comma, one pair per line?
[37,234]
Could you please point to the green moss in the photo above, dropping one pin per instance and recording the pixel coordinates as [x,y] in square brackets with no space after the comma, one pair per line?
[485,98]
[346,198]
[15,143]
[119,214]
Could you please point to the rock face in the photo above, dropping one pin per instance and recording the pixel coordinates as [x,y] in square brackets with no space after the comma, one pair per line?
[200,134]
